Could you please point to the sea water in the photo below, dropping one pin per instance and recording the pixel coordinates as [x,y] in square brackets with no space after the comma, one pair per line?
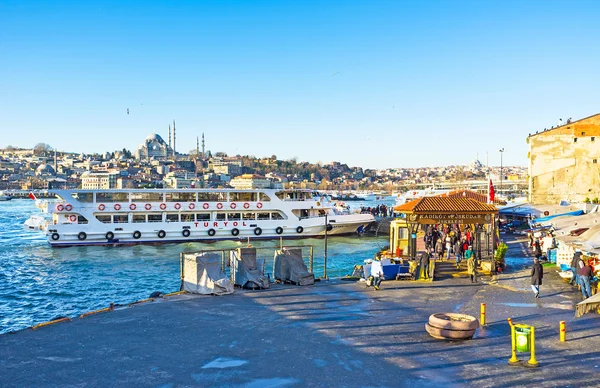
[39,283]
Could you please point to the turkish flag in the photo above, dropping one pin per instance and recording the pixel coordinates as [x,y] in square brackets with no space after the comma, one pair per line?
[491,192]
[32,196]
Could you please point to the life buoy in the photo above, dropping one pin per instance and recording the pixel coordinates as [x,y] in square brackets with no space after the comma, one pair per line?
[137,234]
[163,206]
[132,206]
[211,232]
[147,206]
[246,205]
[546,213]
[186,233]
[259,205]
[117,206]
[109,235]
[232,205]
[82,236]
[72,218]
[162,234]
[101,207]
[279,230]
[318,203]
[205,206]
[219,205]
[299,229]
[177,206]
[192,206]
[235,231]
[257,231]
[68,207]
[60,207]
[55,236]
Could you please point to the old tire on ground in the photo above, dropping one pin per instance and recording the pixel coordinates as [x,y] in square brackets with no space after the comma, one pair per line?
[438,333]
[453,321]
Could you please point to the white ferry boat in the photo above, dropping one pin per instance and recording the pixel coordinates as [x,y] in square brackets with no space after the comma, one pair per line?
[115,217]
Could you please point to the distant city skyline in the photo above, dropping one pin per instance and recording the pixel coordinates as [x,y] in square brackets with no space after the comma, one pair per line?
[381,84]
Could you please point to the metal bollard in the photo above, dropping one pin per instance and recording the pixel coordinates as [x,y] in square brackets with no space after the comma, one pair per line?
[482,315]
[532,360]
[563,331]
[513,358]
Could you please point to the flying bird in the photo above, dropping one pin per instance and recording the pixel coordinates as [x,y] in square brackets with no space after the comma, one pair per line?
[127,110]
[337,72]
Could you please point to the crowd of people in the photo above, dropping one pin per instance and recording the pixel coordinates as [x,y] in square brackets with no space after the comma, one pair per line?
[447,241]
[378,211]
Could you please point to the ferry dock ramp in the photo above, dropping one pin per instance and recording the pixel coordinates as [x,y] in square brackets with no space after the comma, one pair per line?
[332,334]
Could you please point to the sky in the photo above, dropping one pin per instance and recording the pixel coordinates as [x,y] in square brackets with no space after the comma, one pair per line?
[375,84]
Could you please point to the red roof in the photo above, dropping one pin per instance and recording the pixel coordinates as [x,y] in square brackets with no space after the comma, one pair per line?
[450,205]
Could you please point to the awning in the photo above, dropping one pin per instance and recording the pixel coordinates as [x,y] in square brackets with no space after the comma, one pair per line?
[590,304]
[548,218]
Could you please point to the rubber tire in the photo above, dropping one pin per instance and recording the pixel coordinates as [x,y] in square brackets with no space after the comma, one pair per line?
[137,234]
[186,233]
[82,236]
[299,229]
[212,232]
[109,235]
[257,231]
[279,230]
[162,234]
[55,236]
[438,333]
[329,227]
[235,231]
[445,321]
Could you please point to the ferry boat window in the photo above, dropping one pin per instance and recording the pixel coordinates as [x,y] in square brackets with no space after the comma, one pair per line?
[120,219]
[262,216]
[203,217]
[82,220]
[173,217]
[262,197]
[83,197]
[112,197]
[146,197]
[276,216]
[212,197]
[234,217]
[285,195]
[249,216]
[184,196]
[139,218]
[106,219]
[242,197]
[301,213]
[154,217]
[221,217]
[187,217]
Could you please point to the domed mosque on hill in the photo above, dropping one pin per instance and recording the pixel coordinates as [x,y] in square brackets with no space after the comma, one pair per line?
[154,147]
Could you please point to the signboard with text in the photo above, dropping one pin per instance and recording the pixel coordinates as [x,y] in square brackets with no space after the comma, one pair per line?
[450,218]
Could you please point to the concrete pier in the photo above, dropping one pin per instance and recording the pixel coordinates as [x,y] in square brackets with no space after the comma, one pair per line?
[336,333]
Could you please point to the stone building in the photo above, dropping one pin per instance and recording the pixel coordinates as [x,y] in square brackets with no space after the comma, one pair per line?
[563,162]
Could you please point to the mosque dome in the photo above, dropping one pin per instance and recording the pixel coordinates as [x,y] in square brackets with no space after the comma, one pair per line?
[155,137]
[44,169]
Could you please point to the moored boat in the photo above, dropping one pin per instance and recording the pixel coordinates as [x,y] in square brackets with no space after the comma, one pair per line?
[115,217]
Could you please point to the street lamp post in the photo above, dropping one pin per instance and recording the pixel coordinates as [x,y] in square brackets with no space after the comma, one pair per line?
[501,174]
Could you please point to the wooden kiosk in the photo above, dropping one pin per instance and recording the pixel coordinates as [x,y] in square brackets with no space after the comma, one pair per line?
[446,209]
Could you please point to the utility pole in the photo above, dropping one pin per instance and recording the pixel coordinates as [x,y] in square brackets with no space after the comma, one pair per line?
[501,173]
[325,256]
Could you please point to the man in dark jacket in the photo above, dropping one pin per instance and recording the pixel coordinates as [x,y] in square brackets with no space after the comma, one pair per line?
[537,273]
[585,274]
[425,264]
[574,261]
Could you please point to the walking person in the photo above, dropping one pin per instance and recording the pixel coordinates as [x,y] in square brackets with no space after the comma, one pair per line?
[585,274]
[458,252]
[439,249]
[471,264]
[537,249]
[576,257]
[537,273]
[448,246]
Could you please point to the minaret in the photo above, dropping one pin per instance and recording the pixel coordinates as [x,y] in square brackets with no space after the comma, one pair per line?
[170,136]
[203,145]
[55,164]
[174,153]
[197,147]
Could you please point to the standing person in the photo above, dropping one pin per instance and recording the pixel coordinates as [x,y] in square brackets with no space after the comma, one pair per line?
[537,273]
[471,264]
[537,250]
[377,273]
[574,261]
[458,252]
[439,249]
[585,274]
[427,239]
[448,246]
[425,264]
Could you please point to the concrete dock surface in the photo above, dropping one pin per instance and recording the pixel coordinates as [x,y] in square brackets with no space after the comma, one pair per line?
[332,334]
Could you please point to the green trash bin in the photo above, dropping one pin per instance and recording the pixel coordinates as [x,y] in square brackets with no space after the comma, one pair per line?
[523,338]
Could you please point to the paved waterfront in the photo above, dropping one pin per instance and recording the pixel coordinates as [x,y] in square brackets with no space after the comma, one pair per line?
[332,334]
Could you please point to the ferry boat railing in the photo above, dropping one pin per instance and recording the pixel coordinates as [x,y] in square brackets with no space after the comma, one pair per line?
[264,261]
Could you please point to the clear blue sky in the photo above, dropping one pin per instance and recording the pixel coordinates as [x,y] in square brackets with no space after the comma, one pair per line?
[368,83]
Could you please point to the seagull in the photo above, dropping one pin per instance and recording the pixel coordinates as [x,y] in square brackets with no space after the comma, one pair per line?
[127,110]
[337,72]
